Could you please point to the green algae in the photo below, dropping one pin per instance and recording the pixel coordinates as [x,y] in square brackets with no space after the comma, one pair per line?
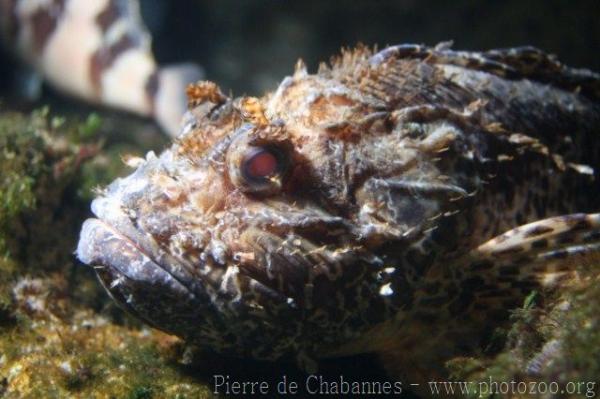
[579,333]
[86,355]
[20,164]
[550,340]
[38,166]
[60,334]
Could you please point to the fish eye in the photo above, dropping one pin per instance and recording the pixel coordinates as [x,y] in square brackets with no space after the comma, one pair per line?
[257,169]
[261,163]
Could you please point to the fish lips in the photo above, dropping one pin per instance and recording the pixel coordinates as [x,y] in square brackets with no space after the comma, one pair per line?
[127,266]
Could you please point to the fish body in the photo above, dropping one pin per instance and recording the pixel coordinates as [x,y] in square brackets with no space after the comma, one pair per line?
[398,202]
[99,51]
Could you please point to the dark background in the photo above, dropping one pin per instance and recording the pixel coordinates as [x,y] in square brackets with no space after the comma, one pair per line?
[249,46]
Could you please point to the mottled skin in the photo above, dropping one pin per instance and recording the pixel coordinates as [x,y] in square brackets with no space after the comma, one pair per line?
[392,169]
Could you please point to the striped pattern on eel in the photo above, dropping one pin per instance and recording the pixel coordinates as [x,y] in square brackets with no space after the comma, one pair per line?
[99,51]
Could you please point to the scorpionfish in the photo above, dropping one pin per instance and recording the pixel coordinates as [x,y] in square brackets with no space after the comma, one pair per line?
[398,202]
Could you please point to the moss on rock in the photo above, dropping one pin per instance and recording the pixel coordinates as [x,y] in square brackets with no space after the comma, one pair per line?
[87,355]
[554,341]
[58,336]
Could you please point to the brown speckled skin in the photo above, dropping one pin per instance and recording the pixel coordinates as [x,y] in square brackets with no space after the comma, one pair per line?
[393,167]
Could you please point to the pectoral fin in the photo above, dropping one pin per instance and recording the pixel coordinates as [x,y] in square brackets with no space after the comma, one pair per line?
[539,250]
[462,302]
[480,288]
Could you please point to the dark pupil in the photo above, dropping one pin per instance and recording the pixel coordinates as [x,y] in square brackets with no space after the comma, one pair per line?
[261,164]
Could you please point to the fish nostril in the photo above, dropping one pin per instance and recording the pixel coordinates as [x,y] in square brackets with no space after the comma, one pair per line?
[107,208]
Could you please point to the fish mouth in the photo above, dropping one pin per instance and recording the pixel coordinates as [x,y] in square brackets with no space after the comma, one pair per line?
[166,294]
[112,241]
[136,275]
[103,246]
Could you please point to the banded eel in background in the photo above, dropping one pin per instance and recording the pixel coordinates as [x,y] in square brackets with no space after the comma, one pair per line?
[99,51]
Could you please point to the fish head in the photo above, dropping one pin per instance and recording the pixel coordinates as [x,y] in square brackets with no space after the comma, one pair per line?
[259,232]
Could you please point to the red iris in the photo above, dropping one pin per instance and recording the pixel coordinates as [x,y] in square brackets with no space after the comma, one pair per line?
[261,164]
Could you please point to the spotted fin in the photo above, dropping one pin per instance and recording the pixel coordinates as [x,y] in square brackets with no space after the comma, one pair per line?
[464,301]
[501,272]
[541,252]
[99,51]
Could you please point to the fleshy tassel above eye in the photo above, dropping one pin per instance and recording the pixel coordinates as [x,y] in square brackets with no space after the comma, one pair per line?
[202,91]
[253,111]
